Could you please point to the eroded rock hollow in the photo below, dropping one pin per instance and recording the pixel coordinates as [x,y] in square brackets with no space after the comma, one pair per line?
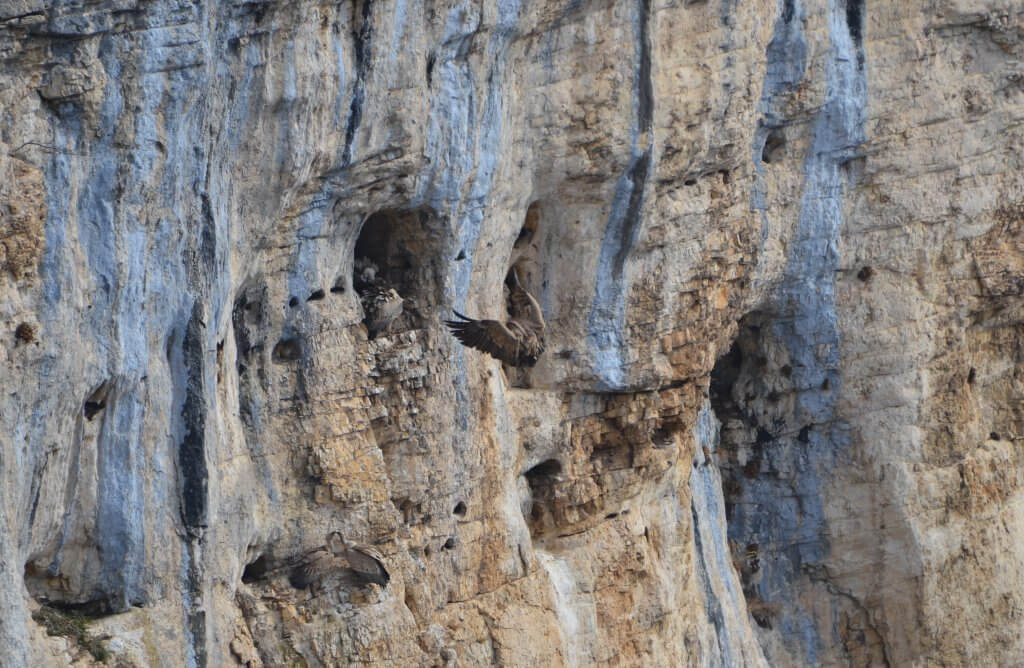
[779,247]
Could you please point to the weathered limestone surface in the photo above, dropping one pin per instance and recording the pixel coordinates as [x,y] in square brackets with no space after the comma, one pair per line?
[779,247]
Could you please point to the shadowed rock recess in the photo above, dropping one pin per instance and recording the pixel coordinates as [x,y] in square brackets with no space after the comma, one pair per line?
[779,248]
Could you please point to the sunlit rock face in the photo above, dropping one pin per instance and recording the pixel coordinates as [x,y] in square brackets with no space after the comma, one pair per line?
[779,248]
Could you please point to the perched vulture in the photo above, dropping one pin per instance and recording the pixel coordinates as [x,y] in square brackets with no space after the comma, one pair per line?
[381,302]
[338,555]
[518,342]
[381,305]
[364,560]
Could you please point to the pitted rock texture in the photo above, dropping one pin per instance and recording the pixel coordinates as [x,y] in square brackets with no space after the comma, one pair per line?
[778,247]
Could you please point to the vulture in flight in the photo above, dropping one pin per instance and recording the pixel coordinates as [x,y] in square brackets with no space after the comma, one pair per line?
[339,554]
[381,302]
[518,342]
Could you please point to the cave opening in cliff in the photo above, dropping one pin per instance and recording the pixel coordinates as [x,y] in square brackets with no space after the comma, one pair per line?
[404,250]
[541,480]
[774,147]
[748,394]
[97,400]
[529,229]
[256,570]
[525,256]
[50,591]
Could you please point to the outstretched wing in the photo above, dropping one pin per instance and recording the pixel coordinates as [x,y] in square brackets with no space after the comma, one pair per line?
[490,336]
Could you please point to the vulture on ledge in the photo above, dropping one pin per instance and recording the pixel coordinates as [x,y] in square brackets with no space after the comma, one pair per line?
[339,554]
[380,301]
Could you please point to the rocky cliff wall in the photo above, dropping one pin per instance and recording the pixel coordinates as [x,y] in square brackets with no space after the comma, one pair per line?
[779,248]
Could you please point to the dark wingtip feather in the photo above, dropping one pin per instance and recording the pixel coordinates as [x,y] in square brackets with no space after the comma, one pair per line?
[462,337]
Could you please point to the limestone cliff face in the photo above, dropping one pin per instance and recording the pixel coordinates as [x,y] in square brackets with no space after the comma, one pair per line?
[779,247]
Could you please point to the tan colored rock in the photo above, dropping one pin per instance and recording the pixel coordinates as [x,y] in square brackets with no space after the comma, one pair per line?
[23,217]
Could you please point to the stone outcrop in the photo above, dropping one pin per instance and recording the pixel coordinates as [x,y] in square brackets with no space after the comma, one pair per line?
[779,248]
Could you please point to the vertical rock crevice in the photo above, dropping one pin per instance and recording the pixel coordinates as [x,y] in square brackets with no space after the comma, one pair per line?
[187,363]
[362,32]
[192,466]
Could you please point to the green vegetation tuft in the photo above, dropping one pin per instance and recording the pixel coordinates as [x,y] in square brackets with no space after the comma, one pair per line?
[70,625]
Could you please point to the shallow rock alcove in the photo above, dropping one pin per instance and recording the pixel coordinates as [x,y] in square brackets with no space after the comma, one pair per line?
[407,246]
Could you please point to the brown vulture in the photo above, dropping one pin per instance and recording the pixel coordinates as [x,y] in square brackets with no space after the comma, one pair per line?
[363,560]
[518,342]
